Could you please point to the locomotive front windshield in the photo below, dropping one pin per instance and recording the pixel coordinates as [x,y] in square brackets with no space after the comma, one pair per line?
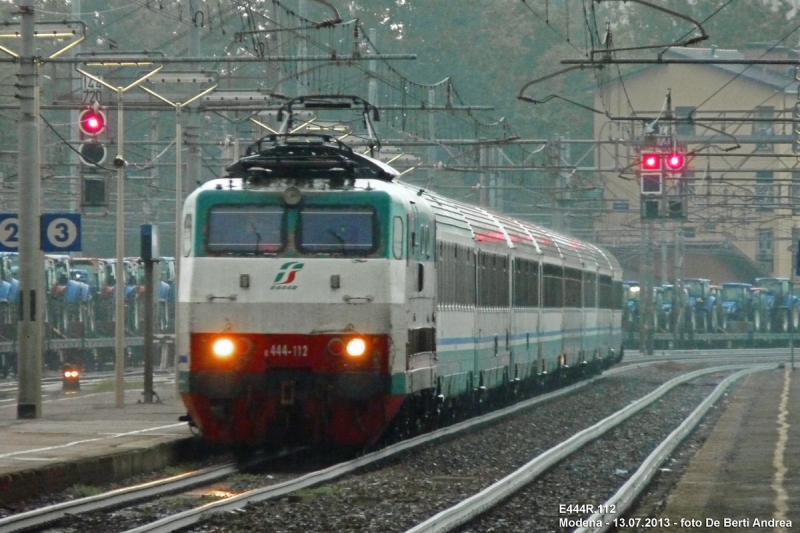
[337,230]
[312,230]
[245,229]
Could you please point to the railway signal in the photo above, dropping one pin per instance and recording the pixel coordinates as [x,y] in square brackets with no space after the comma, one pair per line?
[651,161]
[675,161]
[658,161]
[92,121]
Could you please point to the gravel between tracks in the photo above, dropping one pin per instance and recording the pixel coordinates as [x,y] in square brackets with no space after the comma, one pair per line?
[410,488]
[413,487]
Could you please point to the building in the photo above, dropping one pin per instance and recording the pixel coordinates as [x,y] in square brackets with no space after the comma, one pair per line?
[740,188]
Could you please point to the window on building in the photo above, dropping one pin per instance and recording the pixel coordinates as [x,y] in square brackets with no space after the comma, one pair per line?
[685,125]
[794,196]
[762,128]
[688,182]
[765,190]
[764,253]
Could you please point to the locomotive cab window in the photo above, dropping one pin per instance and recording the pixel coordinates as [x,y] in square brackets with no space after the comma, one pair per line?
[245,229]
[348,231]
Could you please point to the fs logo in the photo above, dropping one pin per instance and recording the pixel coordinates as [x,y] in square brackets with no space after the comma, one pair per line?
[286,276]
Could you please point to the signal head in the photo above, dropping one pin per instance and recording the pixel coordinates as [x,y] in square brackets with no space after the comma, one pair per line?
[675,161]
[651,161]
[92,121]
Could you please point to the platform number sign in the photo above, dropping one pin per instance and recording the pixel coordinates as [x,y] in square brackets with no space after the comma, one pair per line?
[60,232]
[9,232]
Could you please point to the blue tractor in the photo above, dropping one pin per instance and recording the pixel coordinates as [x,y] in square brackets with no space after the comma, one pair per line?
[631,306]
[69,300]
[741,307]
[702,307]
[782,306]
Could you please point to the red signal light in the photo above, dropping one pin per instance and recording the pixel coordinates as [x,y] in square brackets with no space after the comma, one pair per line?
[92,121]
[651,161]
[675,161]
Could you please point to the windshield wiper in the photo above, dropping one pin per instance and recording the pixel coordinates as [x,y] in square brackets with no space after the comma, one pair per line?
[258,236]
[340,239]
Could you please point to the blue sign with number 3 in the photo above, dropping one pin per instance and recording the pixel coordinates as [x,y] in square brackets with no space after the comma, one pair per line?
[61,232]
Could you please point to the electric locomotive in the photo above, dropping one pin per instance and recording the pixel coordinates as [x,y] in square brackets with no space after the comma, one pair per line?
[321,300]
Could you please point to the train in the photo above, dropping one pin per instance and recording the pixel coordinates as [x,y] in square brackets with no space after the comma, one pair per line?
[323,301]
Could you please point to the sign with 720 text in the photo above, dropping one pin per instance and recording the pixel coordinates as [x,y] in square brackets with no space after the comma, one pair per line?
[60,232]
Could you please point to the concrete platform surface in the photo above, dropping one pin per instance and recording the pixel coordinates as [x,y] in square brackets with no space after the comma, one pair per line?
[746,476]
[84,438]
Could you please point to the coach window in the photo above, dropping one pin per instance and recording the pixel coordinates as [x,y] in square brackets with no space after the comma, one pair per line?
[605,297]
[526,283]
[553,286]
[245,229]
[397,238]
[589,288]
[572,288]
[347,231]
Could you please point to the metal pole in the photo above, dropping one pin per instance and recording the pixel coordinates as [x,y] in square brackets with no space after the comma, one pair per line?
[302,52]
[119,292]
[431,136]
[77,87]
[791,299]
[372,85]
[178,230]
[148,330]
[482,183]
[31,261]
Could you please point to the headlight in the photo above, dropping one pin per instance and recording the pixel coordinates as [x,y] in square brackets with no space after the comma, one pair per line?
[356,347]
[223,348]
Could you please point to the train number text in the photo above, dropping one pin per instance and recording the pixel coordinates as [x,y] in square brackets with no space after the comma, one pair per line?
[284,350]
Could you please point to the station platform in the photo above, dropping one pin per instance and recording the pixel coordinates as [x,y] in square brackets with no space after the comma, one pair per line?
[746,476]
[82,437]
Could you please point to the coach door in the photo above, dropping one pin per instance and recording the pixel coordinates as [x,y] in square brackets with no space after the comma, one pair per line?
[421,281]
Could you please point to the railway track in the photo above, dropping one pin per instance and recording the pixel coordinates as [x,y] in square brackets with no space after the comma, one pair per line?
[39,518]
[306,482]
[400,506]
[609,512]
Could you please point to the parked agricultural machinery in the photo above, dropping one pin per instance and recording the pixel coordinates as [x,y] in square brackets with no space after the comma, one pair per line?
[781,306]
